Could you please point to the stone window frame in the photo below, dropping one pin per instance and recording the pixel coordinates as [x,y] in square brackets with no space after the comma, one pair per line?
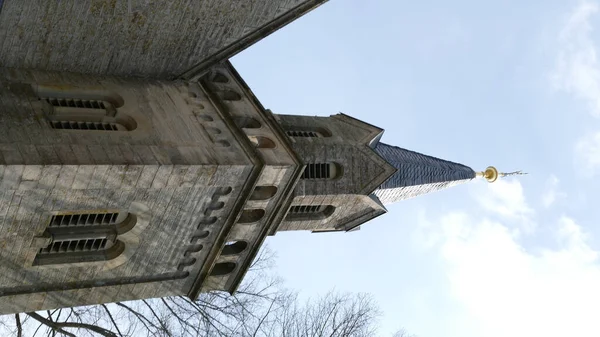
[127,240]
[87,236]
[71,108]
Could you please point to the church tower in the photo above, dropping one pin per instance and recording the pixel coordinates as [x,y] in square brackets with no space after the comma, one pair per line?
[350,175]
[135,167]
[121,188]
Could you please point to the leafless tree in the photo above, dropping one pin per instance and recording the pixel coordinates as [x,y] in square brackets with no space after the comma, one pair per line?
[403,333]
[260,308]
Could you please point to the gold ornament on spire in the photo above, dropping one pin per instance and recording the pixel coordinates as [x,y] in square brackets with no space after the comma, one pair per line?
[491,174]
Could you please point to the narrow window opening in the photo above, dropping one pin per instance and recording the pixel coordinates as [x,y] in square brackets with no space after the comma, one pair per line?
[229,95]
[322,171]
[222,268]
[206,118]
[86,219]
[303,134]
[310,212]
[220,78]
[74,125]
[308,133]
[234,247]
[263,192]
[262,142]
[246,123]
[251,215]
[78,103]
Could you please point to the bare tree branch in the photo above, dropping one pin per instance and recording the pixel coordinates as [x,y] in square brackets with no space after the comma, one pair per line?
[19,326]
[160,321]
[49,324]
[261,307]
[112,319]
[58,326]
[402,333]
[138,315]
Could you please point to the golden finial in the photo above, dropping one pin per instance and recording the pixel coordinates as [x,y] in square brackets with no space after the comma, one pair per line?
[491,174]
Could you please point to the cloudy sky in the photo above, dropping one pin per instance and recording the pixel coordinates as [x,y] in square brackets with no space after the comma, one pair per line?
[515,84]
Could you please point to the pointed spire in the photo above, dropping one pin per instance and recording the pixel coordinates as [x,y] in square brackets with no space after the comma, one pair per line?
[417,174]
[491,174]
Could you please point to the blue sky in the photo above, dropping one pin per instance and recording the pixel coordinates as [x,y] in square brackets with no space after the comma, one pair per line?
[510,83]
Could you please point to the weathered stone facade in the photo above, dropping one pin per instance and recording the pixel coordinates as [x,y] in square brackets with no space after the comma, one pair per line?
[187,170]
[158,39]
[136,163]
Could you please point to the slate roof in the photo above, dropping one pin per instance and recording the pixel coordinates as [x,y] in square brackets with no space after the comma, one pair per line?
[417,174]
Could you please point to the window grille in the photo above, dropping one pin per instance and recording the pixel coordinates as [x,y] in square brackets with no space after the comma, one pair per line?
[317,171]
[74,125]
[84,110]
[83,237]
[82,245]
[310,212]
[83,219]
[303,134]
[77,103]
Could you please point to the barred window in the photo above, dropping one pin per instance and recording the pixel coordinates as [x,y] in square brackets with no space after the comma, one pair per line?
[84,237]
[77,103]
[77,245]
[303,134]
[322,171]
[88,110]
[315,132]
[310,212]
[75,125]
[83,219]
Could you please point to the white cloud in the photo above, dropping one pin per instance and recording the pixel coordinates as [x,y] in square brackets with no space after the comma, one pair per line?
[587,151]
[577,72]
[552,193]
[507,289]
[577,68]
[505,198]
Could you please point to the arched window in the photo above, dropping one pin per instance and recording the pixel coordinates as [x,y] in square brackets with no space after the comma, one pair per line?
[322,171]
[230,95]
[251,215]
[84,237]
[246,123]
[222,143]
[199,235]
[222,268]
[219,78]
[262,142]
[234,247]
[263,192]
[77,109]
[309,212]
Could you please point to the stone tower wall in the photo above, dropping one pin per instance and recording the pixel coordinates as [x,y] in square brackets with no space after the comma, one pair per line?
[181,172]
[344,141]
[158,39]
[205,170]
[176,123]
